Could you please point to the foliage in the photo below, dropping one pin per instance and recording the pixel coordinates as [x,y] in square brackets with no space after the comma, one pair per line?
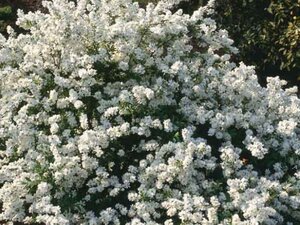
[284,32]
[115,114]
[5,14]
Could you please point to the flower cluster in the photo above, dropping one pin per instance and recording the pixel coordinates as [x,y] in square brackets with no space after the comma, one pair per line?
[115,114]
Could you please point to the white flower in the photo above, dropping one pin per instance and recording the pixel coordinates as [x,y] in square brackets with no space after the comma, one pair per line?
[84,121]
[257,148]
[53,95]
[168,126]
[54,128]
[286,127]
[78,104]
[142,94]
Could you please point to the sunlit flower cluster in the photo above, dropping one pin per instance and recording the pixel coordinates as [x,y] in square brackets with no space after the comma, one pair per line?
[116,114]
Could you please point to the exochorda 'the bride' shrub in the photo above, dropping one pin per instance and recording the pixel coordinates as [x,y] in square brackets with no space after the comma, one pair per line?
[114,114]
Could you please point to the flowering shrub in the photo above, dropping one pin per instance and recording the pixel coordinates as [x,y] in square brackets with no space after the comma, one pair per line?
[114,114]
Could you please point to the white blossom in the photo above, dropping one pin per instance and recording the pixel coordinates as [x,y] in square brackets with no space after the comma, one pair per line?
[116,114]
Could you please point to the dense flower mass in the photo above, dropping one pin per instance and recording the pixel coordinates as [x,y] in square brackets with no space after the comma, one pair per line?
[115,114]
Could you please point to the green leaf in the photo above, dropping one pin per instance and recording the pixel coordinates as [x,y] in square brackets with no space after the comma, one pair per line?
[5,12]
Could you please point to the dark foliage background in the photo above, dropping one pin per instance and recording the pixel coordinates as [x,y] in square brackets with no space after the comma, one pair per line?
[267,32]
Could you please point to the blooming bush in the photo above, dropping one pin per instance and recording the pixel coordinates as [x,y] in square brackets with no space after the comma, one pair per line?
[114,114]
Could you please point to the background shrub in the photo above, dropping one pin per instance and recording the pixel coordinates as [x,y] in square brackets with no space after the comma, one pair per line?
[5,15]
